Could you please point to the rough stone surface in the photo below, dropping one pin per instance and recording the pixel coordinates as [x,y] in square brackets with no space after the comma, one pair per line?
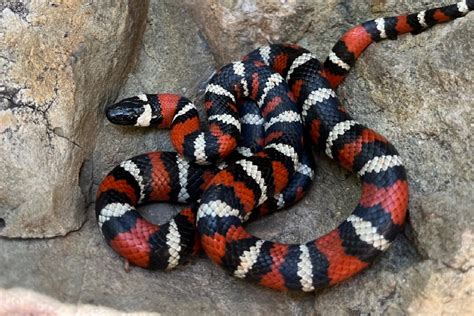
[416,91]
[173,58]
[432,288]
[234,27]
[18,301]
[59,61]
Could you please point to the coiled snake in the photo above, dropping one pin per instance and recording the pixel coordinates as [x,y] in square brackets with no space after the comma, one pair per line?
[272,105]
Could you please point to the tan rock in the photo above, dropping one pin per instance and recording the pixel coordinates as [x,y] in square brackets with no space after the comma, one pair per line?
[446,293]
[18,301]
[61,60]
[234,28]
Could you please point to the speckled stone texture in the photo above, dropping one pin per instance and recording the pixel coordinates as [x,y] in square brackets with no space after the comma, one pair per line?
[59,62]
[417,91]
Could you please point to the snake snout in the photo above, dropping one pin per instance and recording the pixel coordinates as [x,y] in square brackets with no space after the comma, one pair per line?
[125,112]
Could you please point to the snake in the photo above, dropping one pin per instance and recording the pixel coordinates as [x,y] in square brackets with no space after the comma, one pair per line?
[168,177]
[297,108]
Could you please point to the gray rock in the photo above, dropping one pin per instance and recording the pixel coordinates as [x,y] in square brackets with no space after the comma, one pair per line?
[399,88]
[234,28]
[417,91]
[19,301]
[173,58]
[93,274]
[432,288]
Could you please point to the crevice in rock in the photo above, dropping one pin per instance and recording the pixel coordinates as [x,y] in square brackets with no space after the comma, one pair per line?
[34,239]
[14,102]
[387,299]
[456,269]
[304,32]
[86,181]
[54,131]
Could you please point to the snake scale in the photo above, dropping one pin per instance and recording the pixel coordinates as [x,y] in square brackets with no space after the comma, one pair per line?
[266,112]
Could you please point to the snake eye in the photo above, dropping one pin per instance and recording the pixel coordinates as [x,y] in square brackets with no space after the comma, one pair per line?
[126,112]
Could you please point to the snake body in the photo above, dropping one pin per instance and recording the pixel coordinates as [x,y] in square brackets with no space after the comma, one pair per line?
[167,177]
[294,93]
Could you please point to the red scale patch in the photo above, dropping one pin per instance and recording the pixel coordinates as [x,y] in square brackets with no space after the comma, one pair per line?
[238,233]
[214,246]
[402,25]
[315,131]
[334,80]
[350,151]
[160,178]
[357,39]
[393,199]
[440,17]
[341,265]
[169,103]
[121,186]
[273,136]
[181,130]
[280,176]
[280,62]
[226,142]
[133,245]
[274,279]
[296,88]
[276,101]
[245,194]
[255,85]
[189,214]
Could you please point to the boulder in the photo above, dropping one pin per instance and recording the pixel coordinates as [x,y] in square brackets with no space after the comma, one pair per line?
[60,62]
[416,91]
[233,28]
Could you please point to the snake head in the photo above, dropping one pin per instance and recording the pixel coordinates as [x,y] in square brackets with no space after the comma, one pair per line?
[138,110]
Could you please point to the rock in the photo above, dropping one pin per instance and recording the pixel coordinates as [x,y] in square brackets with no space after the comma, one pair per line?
[18,301]
[167,64]
[399,88]
[447,292]
[375,290]
[60,62]
[234,28]
[92,274]
[433,288]
[417,91]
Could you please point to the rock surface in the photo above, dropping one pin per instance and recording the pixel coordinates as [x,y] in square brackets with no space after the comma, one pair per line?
[60,60]
[418,92]
[167,64]
[25,302]
[234,27]
[399,88]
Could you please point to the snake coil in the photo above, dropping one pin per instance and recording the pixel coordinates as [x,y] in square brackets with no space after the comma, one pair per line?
[279,100]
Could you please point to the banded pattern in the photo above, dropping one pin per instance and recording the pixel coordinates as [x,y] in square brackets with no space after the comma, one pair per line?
[349,248]
[168,177]
[351,45]
[181,116]
[381,211]
[260,176]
